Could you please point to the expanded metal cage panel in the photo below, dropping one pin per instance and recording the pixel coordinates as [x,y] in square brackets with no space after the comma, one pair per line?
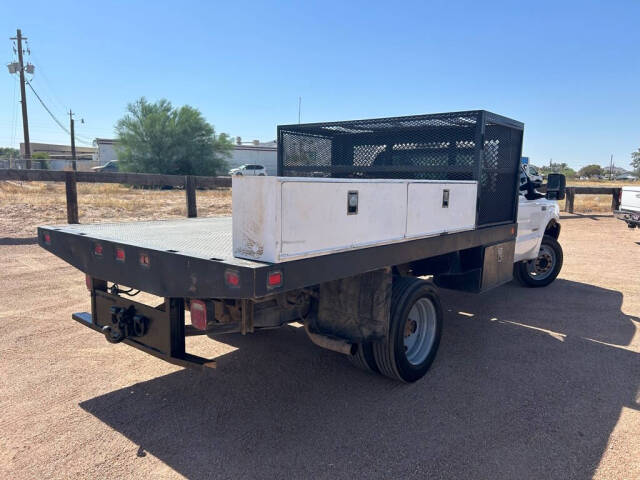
[474,145]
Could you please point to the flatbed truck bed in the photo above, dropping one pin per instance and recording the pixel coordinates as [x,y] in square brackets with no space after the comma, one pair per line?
[189,257]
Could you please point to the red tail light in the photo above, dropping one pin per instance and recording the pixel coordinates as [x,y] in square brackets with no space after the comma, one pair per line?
[47,238]
[120,256]
[274,280]
[145,261]
[97,250]
[198,311]
[232,278]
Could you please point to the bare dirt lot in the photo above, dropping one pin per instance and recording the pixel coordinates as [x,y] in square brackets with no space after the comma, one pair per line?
[528,383]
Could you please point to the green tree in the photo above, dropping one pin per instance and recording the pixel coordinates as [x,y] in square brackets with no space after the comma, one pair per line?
[41,160]
[158,138]
[635,161]
[9,152]
[569,172]
[563,168]
[590,171]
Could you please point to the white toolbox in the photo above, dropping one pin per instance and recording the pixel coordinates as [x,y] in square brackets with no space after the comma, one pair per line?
[276,219]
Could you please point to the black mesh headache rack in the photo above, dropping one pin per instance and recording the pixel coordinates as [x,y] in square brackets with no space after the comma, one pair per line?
[473,145]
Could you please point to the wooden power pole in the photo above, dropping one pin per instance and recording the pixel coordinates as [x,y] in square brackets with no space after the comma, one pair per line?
[73,141]
[23,100]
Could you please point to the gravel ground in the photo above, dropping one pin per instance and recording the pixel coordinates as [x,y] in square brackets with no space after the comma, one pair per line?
[528,383]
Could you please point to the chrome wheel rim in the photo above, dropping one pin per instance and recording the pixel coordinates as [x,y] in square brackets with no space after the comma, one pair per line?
[543,266]
[419,331]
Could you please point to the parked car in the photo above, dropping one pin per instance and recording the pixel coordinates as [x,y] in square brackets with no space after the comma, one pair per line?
[110,166]
[535,176]
[530,173]
[627,177]
[248,170]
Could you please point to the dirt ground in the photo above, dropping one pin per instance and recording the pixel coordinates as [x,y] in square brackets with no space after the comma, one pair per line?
[528,383]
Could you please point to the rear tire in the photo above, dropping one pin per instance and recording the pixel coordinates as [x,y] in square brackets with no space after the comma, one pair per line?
[544,269]
[364,359]
[415,327]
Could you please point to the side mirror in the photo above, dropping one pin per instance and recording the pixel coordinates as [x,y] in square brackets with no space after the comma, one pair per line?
[556,186]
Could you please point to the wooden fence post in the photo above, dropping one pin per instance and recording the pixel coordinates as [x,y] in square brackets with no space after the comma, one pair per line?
[615,199]
[72,197]
[571,195]
[190,190]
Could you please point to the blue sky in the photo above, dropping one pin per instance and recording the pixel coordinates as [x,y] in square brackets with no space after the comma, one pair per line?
[569,70]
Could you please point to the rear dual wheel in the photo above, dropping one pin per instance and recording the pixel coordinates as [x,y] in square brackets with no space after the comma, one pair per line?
[415,327]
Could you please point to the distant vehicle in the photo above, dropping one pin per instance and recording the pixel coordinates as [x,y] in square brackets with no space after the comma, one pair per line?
[629,206]
[249,169]
[531,171]
[110,166]
[534,175]
[627,177]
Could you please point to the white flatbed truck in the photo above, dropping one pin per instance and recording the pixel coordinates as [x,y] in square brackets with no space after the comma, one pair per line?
[629,210]
[340,241]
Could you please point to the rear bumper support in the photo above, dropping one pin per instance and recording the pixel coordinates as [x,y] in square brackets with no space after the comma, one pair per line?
[185,360]
[164,333]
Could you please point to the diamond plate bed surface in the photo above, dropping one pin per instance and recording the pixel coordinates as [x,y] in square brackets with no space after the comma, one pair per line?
[208,238]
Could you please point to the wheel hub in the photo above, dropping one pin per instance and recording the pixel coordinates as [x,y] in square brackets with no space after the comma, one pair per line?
[410,327]
[542,266]
[543,263]
[420,331]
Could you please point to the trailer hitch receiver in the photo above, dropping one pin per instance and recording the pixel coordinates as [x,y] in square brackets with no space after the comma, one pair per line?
[125,322]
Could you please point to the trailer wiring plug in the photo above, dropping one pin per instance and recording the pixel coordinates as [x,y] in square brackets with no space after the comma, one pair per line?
[116,290]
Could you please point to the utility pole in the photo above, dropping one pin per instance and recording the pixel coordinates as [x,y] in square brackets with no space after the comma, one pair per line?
[611,168]
[23,100]
[73,141]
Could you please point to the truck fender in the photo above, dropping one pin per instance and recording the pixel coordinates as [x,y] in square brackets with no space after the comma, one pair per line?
[553,228]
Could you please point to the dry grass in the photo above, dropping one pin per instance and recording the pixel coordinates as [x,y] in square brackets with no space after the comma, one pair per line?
[30,204]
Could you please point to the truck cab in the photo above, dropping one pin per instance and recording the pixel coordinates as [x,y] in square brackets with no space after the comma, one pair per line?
[538,255]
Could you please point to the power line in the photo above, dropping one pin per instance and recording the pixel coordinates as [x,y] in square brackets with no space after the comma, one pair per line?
[55,99]
[47,108]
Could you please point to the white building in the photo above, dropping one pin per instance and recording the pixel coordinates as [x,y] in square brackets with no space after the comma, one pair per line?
[255,153]
[105,150]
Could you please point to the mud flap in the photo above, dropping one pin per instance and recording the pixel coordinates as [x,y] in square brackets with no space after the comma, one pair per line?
[355,308]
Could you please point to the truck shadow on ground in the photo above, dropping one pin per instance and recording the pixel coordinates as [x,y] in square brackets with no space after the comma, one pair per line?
[528,383]
[18,241]
[584,215]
